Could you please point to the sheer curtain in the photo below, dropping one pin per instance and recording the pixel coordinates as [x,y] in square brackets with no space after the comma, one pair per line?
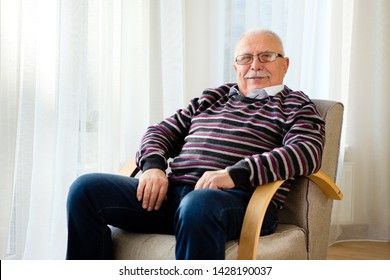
[81,80]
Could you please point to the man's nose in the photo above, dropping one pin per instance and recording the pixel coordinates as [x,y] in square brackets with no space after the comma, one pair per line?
[256,64]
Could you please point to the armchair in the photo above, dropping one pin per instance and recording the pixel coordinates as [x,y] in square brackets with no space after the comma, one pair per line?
[304,221]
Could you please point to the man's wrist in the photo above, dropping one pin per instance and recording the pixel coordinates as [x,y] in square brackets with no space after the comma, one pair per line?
[154,161]
[240,175]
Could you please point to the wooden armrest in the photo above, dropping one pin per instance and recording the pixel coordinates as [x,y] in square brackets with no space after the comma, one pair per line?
[326,184]
[129,169]
[258,204]
[253,219]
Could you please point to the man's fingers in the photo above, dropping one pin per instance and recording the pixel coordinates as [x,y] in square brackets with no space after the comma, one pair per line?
[215,180]
[199,184]
[205,182]
[140,190]
[152,189]
[154,198]
[146,197]
[152,195]
[162,196]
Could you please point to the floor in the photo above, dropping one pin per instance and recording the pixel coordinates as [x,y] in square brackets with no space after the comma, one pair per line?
[359,250]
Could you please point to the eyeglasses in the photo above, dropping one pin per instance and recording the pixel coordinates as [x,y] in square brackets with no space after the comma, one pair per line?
[263,57]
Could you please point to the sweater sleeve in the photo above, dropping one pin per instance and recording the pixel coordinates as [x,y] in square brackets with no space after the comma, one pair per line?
[300,153]
[165,139]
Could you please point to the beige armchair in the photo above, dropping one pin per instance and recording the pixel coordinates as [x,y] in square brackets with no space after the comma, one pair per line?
[304,222]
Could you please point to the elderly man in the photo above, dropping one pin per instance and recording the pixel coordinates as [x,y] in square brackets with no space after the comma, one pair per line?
[223,144]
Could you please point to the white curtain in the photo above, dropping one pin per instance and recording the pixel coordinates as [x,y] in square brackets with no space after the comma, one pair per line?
[81,79]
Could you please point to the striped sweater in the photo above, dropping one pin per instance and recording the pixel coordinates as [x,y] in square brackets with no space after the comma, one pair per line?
[256,141]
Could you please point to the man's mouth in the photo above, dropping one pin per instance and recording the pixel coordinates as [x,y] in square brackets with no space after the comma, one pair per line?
[256,78]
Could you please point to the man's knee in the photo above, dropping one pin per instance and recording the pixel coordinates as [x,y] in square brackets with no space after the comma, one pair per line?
[81,185]
[83,188]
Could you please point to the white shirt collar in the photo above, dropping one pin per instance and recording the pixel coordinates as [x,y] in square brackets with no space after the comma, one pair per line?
[272,90]
[259,93]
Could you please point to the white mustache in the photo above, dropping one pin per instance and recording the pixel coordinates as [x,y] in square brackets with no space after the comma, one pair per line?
[257,74]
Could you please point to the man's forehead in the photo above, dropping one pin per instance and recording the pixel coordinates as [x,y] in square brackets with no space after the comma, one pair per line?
[257,43]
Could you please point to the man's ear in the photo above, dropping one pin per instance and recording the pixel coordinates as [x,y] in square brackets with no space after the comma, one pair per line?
[286,64]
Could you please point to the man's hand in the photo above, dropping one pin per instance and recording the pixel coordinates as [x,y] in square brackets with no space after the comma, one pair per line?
[152,189]
[215,180]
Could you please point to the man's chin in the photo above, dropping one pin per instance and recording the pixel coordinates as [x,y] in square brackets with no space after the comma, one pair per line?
[258,83]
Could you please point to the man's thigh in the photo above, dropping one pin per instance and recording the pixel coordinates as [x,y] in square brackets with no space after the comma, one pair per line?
[215,209]
[115,199]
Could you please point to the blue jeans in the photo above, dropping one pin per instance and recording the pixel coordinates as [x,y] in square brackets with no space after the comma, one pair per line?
[202,220]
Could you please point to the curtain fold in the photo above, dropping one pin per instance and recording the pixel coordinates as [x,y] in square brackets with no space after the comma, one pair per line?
[81,80]
[367,158]
[9,84]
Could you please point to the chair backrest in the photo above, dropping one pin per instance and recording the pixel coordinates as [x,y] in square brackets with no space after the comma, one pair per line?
[306,206]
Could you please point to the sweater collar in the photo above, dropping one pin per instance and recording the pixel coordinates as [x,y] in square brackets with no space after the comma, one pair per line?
[258,93]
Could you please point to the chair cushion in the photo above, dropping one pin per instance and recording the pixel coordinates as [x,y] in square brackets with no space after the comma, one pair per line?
[142,246]
[288,242]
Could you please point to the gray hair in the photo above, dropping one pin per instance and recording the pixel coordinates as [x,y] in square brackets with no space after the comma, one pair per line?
[259,31]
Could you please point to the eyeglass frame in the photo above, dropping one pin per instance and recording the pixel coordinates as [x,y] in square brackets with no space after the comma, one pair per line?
[275,55]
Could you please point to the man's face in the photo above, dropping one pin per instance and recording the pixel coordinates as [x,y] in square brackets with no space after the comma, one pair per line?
[268,73]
